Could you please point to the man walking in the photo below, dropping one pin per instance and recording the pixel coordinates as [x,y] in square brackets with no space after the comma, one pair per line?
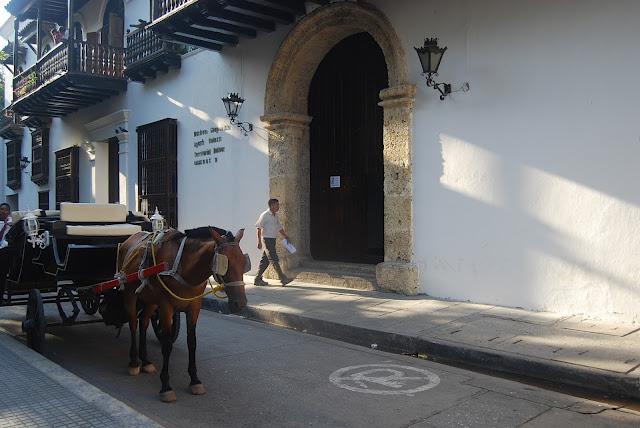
[269,226]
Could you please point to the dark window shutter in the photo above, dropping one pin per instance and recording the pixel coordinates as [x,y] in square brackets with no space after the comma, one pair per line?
[43,200]
[40,156]
[158,169]
[67,185]
[116,31]
[14,152]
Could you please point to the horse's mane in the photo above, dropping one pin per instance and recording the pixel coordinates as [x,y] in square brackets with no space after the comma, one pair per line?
[203,233]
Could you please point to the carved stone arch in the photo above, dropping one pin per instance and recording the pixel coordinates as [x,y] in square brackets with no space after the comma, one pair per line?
[286,105]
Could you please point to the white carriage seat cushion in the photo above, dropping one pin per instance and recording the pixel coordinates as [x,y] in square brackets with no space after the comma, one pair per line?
[16,216]
[92,213]
[52,213]
[125,229]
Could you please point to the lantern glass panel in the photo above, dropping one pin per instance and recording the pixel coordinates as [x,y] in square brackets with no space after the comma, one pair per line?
[233,103]
[31,225]
[436,57]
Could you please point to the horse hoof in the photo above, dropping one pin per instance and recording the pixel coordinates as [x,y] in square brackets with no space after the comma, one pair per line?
[134,371]
[168,396]
[198,389]
[149,368]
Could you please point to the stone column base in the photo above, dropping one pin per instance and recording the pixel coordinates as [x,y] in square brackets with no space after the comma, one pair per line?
[398,276]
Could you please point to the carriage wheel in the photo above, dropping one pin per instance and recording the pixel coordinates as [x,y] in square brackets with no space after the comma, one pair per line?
[35,324]
[175,327]
[89,303]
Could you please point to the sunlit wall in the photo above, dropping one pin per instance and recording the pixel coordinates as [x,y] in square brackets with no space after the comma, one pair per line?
[525,188]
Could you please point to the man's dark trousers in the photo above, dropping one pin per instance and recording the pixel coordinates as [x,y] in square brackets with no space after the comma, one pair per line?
[269,255]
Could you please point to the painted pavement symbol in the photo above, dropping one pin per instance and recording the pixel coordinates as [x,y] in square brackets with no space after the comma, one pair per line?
[384,379]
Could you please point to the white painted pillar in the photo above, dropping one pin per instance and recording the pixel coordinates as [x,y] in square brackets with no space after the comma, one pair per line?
[123,168]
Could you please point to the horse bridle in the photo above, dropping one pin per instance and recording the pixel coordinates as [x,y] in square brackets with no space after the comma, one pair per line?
[220,264]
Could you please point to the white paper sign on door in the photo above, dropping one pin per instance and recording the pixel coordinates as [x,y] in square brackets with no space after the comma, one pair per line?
[334,181]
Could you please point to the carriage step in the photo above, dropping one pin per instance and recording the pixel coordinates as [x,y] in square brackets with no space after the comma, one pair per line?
[347,275]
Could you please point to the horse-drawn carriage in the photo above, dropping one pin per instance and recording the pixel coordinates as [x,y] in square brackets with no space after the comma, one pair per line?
[130,269]
[55,256]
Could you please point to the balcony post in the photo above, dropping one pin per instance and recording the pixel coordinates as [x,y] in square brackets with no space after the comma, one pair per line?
[71,46]
[16,27]
[152,7]
[39,30]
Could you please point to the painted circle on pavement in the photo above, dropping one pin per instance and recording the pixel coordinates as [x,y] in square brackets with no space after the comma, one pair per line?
[384,379]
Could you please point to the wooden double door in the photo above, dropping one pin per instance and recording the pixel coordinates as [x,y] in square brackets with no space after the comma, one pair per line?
[346,153]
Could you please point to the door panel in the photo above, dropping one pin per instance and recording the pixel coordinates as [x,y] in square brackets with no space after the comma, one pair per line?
[347,221]
[114,171]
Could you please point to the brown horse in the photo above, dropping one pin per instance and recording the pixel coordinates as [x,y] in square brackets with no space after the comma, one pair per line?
[196,265]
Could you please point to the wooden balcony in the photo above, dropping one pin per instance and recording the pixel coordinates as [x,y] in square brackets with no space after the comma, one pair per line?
[59,83]
[213,24]
[9,130]
[51,10]
[147,55]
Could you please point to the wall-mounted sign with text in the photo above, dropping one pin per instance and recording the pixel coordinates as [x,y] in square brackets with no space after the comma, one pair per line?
[206,145]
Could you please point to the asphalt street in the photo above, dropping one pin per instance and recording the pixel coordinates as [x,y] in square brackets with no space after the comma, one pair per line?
[260,376]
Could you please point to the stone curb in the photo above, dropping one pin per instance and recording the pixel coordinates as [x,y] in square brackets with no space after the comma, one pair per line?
[116,409]
[601,382]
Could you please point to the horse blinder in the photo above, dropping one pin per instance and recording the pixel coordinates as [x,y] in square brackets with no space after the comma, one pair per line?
[220,264]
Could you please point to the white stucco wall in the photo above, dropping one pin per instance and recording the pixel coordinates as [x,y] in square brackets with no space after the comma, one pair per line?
[525,187]
[232,192]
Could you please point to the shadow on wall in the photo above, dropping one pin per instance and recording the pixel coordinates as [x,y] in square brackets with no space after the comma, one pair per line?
[509,233]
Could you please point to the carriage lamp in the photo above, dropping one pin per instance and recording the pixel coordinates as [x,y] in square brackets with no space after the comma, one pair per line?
[31,227]
[430,56]
[158,222]
[232,104]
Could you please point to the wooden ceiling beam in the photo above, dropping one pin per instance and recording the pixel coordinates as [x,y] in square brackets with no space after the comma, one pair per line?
[211,35]
[196,42]
[270,12]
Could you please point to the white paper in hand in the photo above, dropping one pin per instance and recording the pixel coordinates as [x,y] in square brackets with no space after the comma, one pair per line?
[289,246]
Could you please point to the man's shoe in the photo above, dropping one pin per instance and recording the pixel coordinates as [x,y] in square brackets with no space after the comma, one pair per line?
[260,283]
[284,281]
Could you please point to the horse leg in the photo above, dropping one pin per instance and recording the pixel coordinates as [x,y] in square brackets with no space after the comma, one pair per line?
[192,319]
[167,394]
[147,366]
[134,361]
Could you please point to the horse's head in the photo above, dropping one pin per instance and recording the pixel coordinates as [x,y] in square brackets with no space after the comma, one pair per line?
[231,275]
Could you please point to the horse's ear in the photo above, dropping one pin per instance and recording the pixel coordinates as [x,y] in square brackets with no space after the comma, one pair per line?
[239,235]
[216,237]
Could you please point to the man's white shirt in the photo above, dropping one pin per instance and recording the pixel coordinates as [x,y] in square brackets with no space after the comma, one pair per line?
[270,224]
[6,229]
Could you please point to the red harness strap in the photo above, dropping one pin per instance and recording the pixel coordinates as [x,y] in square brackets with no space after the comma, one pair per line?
[130,277]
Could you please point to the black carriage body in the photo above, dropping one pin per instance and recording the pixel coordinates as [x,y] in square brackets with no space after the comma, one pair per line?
[68,260]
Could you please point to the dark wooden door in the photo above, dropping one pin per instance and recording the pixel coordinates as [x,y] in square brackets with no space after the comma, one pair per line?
[67,182]
[158,169]
[347,171]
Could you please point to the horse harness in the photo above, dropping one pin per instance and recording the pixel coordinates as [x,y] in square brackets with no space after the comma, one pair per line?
[219,263]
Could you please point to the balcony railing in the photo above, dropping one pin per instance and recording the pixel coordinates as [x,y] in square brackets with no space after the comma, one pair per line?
[143,43]
[101,60]
[89,58]
[163,7]
[214,24]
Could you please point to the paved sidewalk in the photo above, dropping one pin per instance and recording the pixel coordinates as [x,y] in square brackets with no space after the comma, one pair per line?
[569,350]
[35,392]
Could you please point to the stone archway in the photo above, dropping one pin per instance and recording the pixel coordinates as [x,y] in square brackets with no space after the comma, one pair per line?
[286,103]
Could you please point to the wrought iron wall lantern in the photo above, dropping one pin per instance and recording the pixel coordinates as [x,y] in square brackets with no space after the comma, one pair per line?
[233,103]
[430,56]
[24,162]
